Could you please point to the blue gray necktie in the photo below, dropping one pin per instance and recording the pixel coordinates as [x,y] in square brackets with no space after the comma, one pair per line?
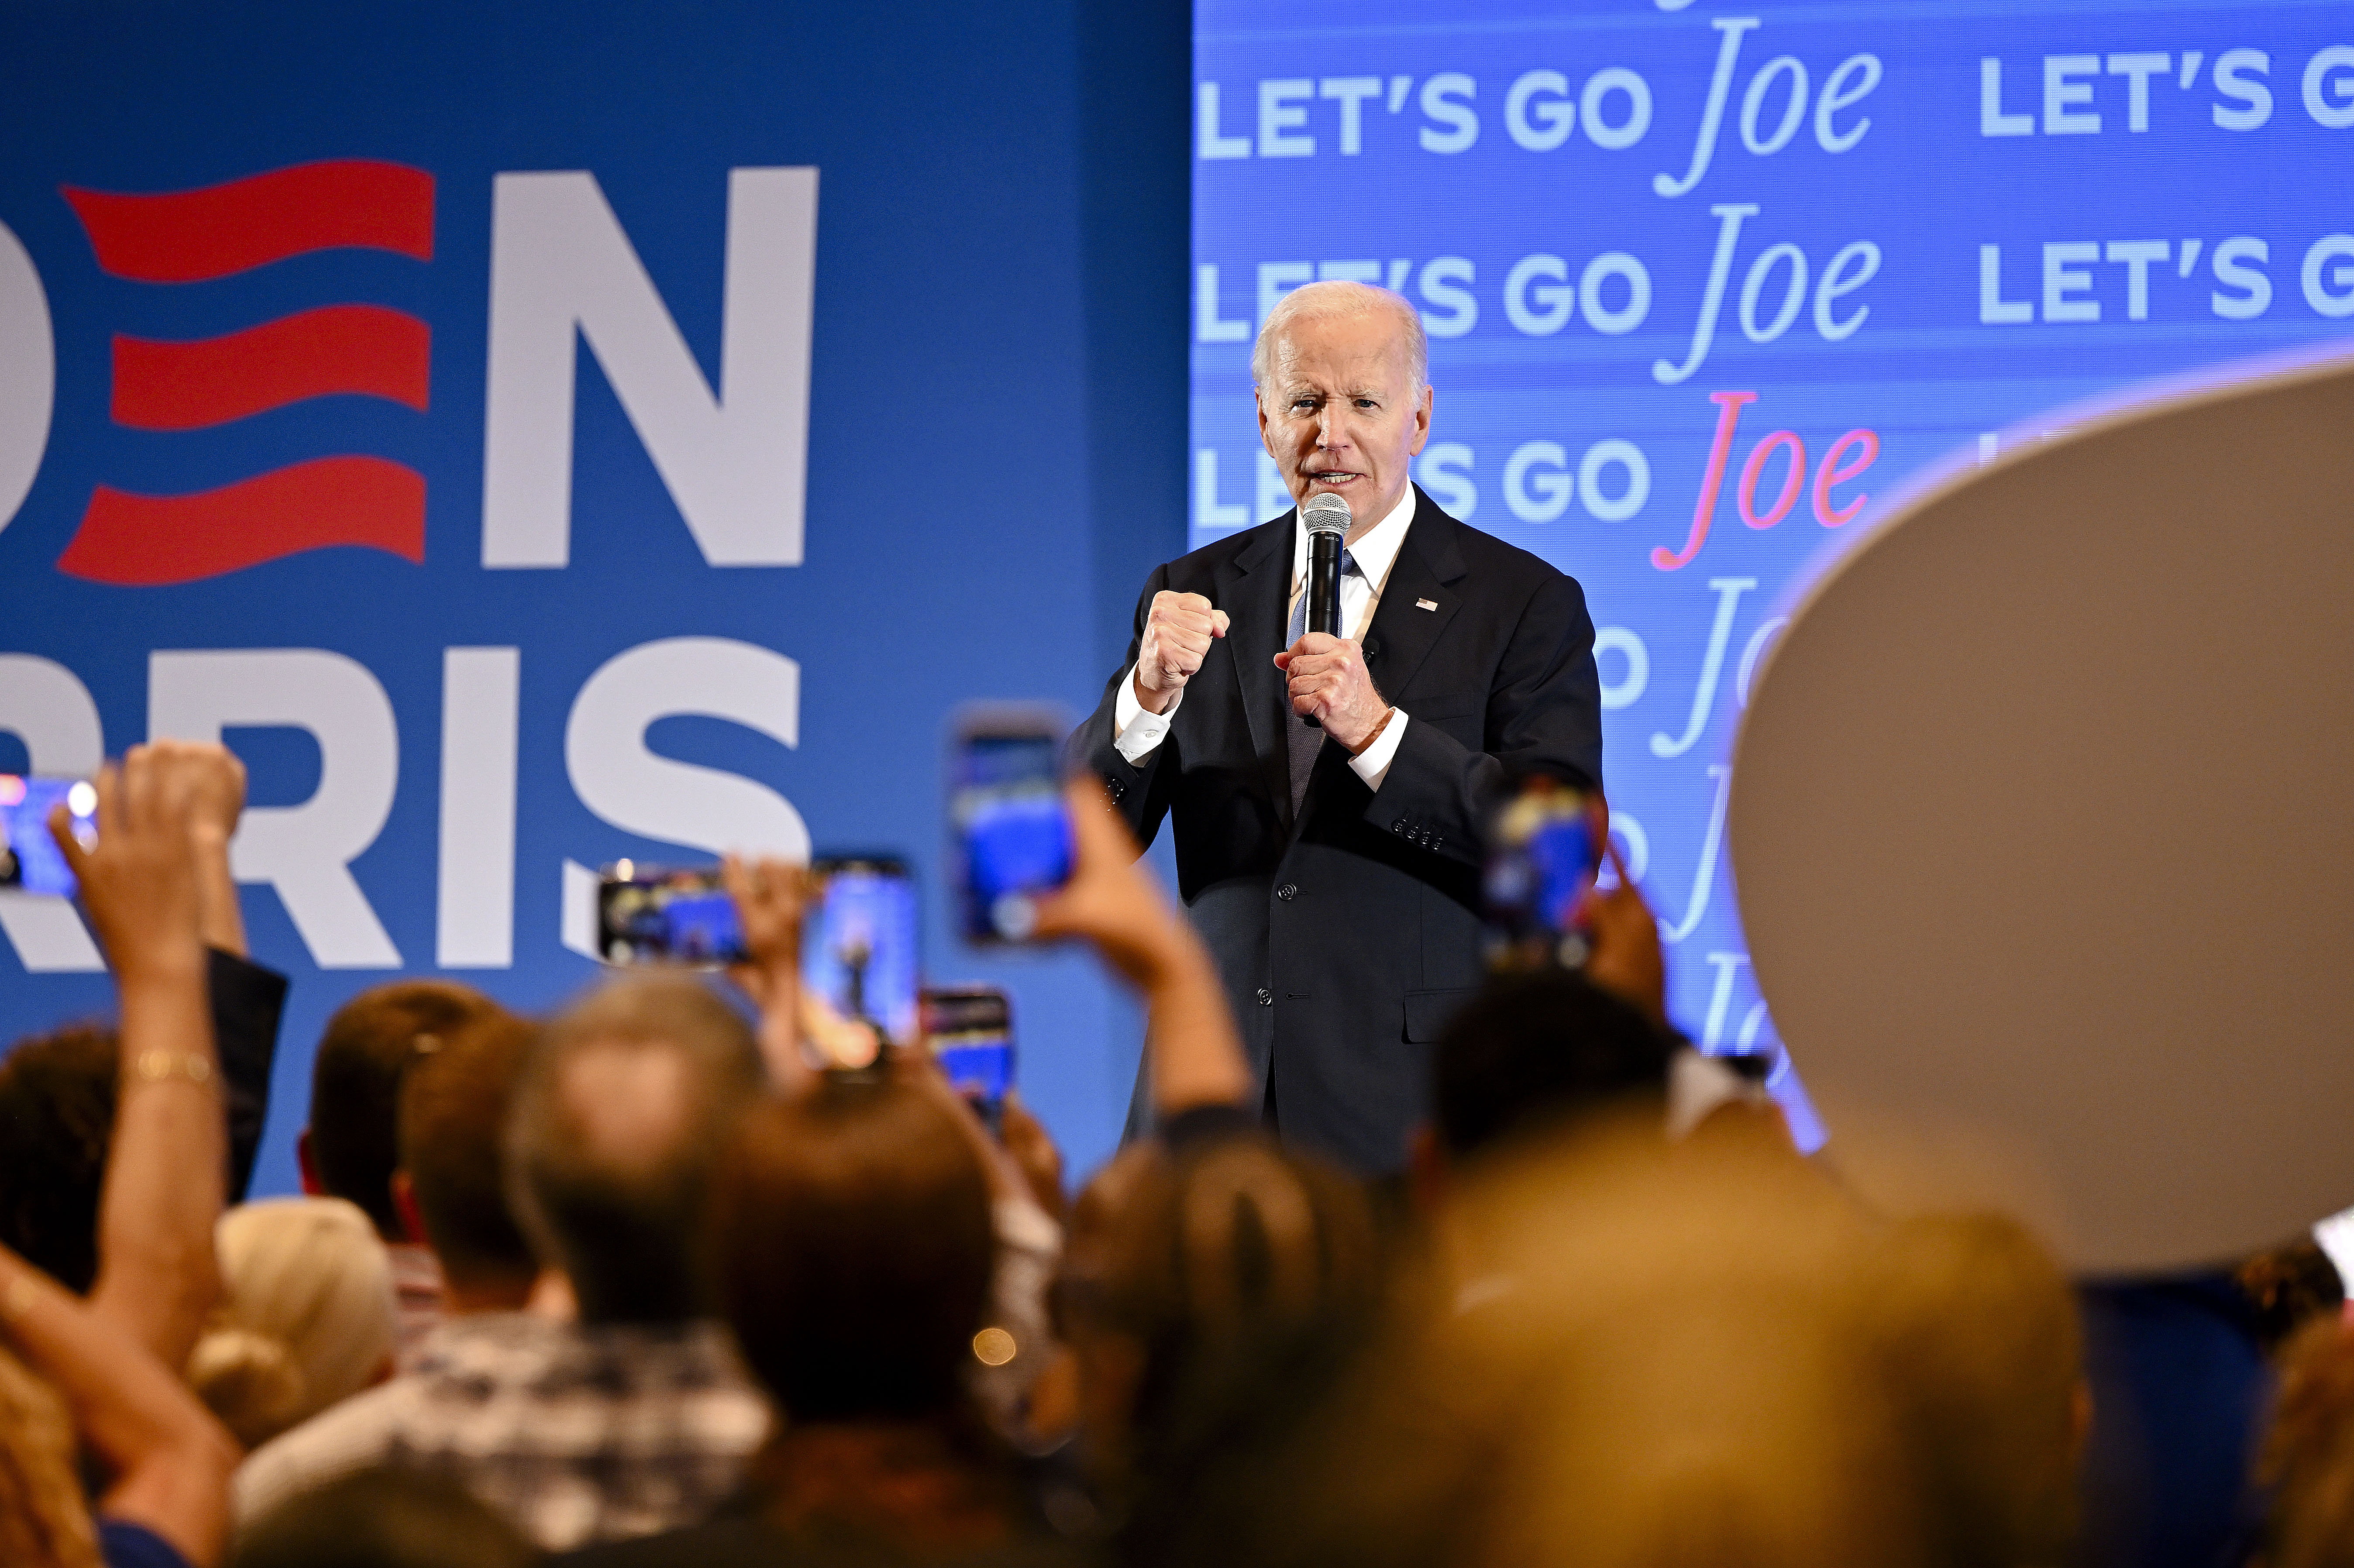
[1306,742]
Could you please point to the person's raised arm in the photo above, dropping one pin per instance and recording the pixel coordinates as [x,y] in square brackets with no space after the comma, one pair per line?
[770,897]
[247,999]
[171,1461]
[158,1276]
[1113,902]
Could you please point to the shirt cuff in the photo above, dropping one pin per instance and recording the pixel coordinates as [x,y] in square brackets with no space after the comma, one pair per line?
[1373,764]
[1135,732]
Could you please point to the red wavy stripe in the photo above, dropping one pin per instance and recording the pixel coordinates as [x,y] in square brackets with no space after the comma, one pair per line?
[185,237]
[148,540]
[365,349]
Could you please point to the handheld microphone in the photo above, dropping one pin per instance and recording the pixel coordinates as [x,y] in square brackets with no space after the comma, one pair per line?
[1326,518]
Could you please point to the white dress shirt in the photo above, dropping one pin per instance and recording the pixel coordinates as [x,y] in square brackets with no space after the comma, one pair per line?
[1137,731]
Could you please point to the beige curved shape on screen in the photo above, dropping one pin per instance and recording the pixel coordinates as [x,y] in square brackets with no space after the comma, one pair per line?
[2042,819]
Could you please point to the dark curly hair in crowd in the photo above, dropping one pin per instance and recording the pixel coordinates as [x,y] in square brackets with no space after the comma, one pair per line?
[1532,1052]
[57,1118]
[855,1251]
[1243,1277]
[2287,1287]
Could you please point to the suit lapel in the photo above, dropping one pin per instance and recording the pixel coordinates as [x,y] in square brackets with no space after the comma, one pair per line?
[1254,590]
[1428,565]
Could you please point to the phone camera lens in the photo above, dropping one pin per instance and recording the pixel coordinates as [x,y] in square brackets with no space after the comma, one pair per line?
[1015,915]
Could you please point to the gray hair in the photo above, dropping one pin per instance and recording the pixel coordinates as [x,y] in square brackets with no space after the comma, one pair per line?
[625,1221]
[1337,297]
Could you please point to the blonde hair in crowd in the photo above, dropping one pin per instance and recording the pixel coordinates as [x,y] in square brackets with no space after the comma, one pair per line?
[43,1521]
[306,1315]
[1654,1357]
[1975,1326]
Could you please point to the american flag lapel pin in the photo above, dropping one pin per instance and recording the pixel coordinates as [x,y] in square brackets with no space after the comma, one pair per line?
[1425,604]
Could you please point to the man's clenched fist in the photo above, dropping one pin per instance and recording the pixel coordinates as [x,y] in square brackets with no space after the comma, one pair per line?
[1177,633]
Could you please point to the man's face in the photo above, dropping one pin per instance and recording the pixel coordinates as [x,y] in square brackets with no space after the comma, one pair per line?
[1340,413]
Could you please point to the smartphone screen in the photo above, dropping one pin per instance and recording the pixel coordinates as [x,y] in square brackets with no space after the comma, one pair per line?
[1545,845]
[970,1029]
[654,915]
[858,944]
[1013,827]
[30,860]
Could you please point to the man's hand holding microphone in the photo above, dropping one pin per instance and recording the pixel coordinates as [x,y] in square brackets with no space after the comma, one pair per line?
[1327,680]
[1178,631]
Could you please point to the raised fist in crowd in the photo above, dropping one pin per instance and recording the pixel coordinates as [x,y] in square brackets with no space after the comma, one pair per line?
[138,876]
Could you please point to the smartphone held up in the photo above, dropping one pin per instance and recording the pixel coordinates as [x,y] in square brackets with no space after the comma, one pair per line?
[1546,842]
[30,860]
[1010,824]
[970,1029]
[663,914]
[859,941]
[1010,844]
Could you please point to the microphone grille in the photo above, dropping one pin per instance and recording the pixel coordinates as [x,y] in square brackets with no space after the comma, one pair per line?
[1326,513]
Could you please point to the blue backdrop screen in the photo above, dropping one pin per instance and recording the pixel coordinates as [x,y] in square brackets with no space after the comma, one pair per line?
[1707,283]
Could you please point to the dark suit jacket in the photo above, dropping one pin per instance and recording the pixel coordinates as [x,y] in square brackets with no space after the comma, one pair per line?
[247,1001]
[1346,937]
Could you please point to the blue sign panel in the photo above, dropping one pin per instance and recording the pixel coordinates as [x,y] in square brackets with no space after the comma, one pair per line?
[537,434]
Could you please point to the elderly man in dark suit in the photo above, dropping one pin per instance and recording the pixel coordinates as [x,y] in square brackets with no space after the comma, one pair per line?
[1335,870]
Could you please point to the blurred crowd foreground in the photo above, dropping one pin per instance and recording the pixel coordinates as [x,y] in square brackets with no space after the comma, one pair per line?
[681,1276]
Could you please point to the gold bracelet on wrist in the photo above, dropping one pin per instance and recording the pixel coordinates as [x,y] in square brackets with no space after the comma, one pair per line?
[160,1066]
